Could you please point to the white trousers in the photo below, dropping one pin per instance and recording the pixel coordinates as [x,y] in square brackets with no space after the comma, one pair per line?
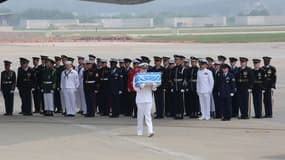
[69,95]
[205,103]
[48,101]
[212,103]
[81,102]
[62,100]
[144,112]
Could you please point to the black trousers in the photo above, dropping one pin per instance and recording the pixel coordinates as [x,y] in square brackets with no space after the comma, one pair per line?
[169,103]
[9,100]
[179,103]
[218,105]
[89,97]
[243,97]
[226,107]
[26,98]
[105,102]
[235,108]
[257,101]
[115,104]
[159,104]
[38,100]
[187,103]
[268,102]
[57,101]
[194,102]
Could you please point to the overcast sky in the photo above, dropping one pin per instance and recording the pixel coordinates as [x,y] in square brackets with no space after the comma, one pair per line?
[209,7]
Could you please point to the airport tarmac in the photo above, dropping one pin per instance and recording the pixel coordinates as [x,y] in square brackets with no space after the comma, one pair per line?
[57,138]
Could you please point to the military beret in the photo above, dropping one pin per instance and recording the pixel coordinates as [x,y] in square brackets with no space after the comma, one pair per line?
[243,59]
[233,59]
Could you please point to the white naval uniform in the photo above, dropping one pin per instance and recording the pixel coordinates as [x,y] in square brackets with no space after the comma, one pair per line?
[81,101]
[205,84]
[144,102]
[69,85]
[48,101]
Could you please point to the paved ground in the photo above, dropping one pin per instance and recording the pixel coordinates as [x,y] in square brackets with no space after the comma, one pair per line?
[46,138]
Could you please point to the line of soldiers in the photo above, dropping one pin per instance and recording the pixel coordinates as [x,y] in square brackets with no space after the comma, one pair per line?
[93,86]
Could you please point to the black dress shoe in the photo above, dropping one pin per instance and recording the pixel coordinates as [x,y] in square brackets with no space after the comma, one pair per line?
[243,117]
[268,116]
[70,115]
[114,116]
[27,114]
[8,114]
[89,116]
[257,117]
[226,119]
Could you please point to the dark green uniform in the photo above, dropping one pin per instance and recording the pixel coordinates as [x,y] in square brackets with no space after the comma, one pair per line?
[8,84]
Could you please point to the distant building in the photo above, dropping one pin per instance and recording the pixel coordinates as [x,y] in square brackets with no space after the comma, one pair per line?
[196,22]
[5,18]
[45,24]
[259,20]
[128,23]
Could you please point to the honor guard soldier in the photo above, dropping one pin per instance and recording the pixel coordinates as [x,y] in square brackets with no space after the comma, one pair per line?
[132,109]
[115,88]
[146,60]
[168,88]
[48,85]
[165,61]
[194,105]
[8,84]
[69,85]
[226,90]
[205,85]
[58,70]
[81,102]
[25,83]
[217,75]
[233,70]
[90,79]
[128,107]
[212,69]
[92,58]
[37,95]
[258,87]
[159,94]
[178,79]
[270,84]
[124,84]
[104,92]
[244,79]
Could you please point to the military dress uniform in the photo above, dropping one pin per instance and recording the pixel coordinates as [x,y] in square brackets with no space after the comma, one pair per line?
[90,79]
[194,104]
[233,70]
[57,100]
[124,85]
[244,78]
[25,83]
[37,95]
[178,78]
[69,86]
[115,89]
[159,93]
[269,85]
[218,110]
[226,90]
[81,102]
[168,90]
[258,88]
[104,92]
[8,84]
[48,86]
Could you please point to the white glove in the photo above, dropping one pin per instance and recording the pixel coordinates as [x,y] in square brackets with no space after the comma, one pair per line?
[42,90]
[12,91]
[141,86]
[182,90]
[120,92]
[250,91]
[172,90]
[33,89]
[263,91]
[232,94]
[51,91]
[96,91]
